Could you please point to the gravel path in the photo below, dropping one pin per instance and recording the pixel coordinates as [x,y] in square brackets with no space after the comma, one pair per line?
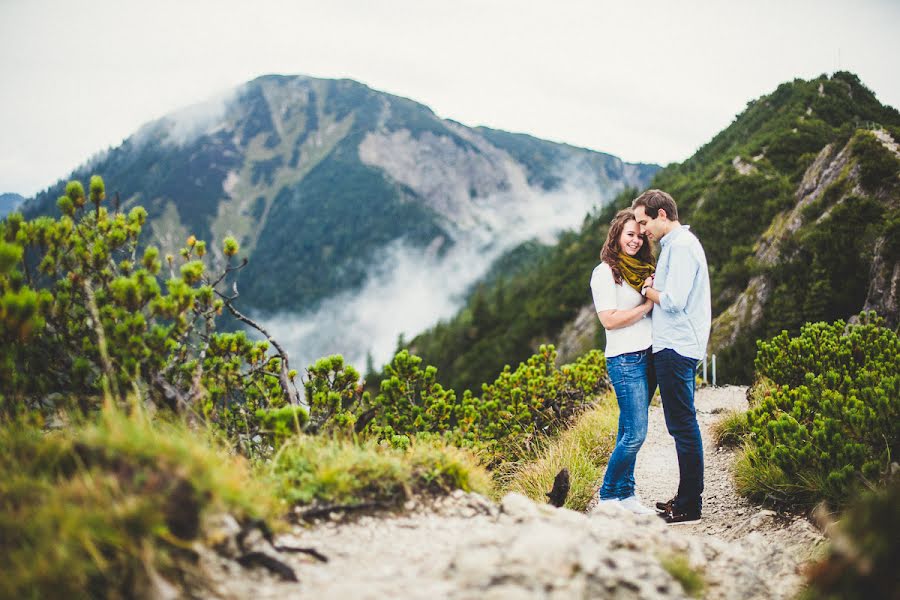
[656,471]
[726,515]
[465,547]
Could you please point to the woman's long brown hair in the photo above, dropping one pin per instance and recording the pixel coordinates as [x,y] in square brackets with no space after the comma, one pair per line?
[611,249]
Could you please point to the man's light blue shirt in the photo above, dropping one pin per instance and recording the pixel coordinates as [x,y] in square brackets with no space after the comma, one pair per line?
[682,319]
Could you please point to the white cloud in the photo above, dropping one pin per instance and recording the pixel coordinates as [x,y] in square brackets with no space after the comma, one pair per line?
[410,290]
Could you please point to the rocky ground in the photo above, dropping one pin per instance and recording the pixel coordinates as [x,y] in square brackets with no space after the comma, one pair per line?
[464,546]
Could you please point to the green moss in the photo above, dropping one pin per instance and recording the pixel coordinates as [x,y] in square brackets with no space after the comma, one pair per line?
[692,580]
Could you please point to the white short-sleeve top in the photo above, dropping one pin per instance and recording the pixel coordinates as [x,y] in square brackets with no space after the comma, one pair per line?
[609,296]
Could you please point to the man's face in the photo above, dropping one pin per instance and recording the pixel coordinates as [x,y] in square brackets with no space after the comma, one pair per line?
[654,229]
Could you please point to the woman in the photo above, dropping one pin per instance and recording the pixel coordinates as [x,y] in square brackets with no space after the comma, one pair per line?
[616,285]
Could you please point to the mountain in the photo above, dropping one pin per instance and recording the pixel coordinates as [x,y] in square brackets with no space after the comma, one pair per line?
[9,203]
[342,196]
[797,204]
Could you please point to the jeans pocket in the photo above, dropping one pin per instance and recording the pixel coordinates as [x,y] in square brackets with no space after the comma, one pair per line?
[633,358]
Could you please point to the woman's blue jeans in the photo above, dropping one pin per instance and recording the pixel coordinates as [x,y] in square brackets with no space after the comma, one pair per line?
[634,380]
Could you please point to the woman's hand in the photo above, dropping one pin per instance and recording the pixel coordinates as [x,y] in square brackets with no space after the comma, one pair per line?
[647,306]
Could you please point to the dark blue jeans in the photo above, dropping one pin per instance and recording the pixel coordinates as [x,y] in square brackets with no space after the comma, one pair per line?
[632,377]
[676,376]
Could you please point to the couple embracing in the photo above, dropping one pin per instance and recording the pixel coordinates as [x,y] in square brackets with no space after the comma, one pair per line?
[657,319]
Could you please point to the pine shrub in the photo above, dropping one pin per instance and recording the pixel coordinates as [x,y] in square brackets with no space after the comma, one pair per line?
[87,313]
[830,415]
[536,399]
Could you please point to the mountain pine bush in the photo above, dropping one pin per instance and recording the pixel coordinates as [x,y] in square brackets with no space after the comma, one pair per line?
[535,399]
[85,316]
[829,415]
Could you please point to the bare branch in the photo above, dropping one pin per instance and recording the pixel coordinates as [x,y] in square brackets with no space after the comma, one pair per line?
[290,392]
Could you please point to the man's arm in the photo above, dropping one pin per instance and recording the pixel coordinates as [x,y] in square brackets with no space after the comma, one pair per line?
[617,319]
[679,281]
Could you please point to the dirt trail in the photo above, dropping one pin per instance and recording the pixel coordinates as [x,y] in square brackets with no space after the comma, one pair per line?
[726,515]
[464,546]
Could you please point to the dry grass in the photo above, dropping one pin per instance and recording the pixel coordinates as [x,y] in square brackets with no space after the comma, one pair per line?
[583,449]
[730,430]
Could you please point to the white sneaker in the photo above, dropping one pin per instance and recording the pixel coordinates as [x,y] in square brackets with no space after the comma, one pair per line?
[634,504]
[603,503]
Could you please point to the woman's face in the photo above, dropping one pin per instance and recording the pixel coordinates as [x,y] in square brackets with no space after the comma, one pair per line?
[631,241]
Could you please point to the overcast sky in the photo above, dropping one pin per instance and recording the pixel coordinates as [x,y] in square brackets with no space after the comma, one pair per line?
[648,81]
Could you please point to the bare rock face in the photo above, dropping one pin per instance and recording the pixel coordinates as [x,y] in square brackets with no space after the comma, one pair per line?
[884,286]
[451,185]
[830,164]
[577,337]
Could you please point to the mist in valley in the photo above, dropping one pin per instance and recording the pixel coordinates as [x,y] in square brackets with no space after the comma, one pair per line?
[410,289]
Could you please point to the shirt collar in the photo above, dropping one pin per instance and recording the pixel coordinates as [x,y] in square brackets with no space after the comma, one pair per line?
[668,238]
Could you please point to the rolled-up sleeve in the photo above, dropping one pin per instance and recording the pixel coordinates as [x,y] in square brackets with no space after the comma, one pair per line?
[683,267]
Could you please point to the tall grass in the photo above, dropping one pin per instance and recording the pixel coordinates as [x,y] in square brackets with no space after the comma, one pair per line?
[583,449]
[763,481]
[730,430]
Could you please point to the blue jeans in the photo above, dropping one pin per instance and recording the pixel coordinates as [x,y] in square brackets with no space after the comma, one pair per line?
[676,375]
[632,376]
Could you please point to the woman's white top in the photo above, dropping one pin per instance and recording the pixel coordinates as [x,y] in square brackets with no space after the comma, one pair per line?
[609,296]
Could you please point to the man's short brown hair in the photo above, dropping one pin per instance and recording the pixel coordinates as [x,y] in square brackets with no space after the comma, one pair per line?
[653,200]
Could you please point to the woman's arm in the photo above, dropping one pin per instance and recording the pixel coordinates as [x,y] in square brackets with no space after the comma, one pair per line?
[617,319]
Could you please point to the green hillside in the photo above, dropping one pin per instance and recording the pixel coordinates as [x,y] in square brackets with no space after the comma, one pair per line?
[794,202]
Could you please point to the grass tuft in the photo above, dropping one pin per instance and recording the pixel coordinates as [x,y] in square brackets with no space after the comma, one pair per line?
[88,512]
[318,469]
[583,449]
[763,481]
[730,430]
[691,579]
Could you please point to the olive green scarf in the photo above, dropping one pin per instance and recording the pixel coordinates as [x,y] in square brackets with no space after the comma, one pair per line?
[634,270]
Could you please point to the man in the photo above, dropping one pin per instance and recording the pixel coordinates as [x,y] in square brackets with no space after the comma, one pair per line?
[680,325]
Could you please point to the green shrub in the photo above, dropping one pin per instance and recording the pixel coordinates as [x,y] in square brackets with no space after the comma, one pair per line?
[830,416]
[332,393]
[411,400]
[535,400]
[279,424]
[84,316]
[86,512]
[877,165]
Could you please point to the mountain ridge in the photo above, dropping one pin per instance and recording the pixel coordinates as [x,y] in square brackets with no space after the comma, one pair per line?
[323,181]
[10,202]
